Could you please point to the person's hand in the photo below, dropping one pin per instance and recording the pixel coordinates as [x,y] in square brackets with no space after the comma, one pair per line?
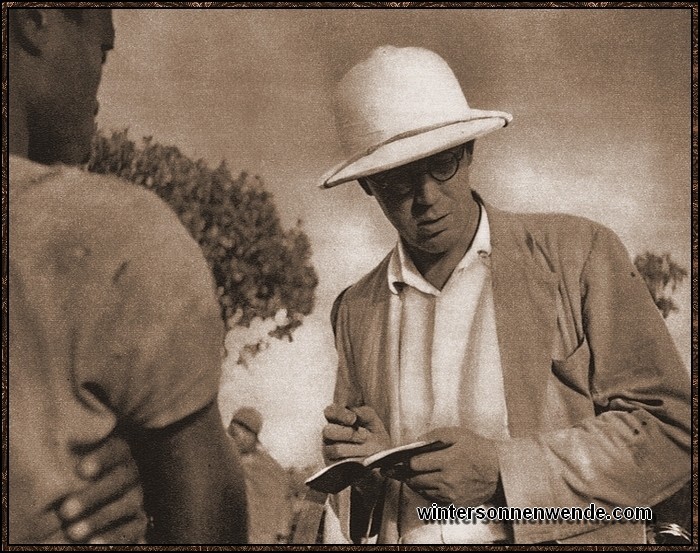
[109,509]
[356,432]
[465,474]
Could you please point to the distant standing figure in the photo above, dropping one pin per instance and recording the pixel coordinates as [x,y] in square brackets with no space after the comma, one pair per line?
[267,484]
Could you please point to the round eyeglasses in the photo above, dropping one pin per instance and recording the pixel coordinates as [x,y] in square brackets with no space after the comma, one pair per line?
[400,181]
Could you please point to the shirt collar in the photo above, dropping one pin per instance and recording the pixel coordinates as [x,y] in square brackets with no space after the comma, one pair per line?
[402,270]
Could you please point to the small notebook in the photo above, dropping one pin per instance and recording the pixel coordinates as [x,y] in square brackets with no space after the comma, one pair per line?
[342,474]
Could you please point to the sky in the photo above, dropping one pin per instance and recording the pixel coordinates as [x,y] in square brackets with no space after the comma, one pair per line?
[601,105]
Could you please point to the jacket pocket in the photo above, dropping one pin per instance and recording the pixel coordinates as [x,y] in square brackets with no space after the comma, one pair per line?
[569,398]
[574,371]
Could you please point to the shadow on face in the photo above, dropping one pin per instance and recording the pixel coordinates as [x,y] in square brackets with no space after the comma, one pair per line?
[429,201]
[60,57]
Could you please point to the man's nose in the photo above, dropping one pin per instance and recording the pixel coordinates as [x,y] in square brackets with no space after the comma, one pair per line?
[427,189]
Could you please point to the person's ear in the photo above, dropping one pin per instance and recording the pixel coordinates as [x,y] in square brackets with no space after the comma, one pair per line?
[30,28]
[365,186]
[469,152]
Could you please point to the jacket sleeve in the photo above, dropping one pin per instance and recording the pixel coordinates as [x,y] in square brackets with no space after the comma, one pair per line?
[635,451]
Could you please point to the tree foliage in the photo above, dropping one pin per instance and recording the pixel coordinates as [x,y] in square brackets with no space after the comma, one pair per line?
[260,269]
[662,275]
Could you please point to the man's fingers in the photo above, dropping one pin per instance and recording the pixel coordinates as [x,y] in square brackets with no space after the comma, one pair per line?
[338,414]
[368,418]
[427,462]
[423,482]
[338,433]
[126,508]
[341,450]
[336,452]
[115,484]
[110,453]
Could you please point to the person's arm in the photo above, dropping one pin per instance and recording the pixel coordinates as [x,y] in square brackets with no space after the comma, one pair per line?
[636,450]
[193,482]
[158,364]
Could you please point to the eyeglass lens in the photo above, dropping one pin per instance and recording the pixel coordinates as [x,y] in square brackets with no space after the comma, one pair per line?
[441,167]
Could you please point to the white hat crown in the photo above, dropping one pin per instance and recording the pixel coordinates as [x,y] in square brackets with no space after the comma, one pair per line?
[398,105]
[385,96]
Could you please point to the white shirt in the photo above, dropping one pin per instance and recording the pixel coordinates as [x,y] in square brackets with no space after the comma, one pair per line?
[449,370]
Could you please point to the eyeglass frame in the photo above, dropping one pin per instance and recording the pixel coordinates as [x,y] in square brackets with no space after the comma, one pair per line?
[387,187]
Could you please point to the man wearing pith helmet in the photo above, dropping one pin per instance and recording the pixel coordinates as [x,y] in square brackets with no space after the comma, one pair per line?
[527,342]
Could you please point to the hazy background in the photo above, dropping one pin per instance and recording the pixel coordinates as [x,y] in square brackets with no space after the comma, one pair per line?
[601,105]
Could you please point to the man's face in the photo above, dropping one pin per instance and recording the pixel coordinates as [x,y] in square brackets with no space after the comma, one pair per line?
[431,216]
[63,122]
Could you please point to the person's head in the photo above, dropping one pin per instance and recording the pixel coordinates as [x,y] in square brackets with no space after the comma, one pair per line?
[245,425]
[408,134]
[56,59]
[428,201]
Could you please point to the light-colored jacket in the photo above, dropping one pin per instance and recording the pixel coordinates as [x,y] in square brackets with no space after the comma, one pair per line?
[598,399]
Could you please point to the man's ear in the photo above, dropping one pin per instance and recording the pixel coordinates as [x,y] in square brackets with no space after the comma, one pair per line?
[365,186]
[469,151]
[29,28]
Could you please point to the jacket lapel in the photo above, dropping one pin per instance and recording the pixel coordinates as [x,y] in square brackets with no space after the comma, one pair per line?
[524,294]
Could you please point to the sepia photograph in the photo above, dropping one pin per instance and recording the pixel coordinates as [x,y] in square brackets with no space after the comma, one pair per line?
[386,273]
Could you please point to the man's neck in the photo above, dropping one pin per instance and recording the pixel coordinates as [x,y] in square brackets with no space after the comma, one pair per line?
[437,268]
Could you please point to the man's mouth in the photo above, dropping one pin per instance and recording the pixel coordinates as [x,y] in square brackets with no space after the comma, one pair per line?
[431,223]
[430,228]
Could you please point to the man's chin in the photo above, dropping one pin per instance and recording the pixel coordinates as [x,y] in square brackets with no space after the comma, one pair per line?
[434,244]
